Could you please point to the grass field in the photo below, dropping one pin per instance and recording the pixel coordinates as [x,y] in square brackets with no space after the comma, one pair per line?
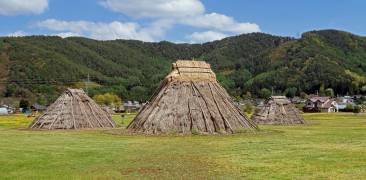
[331,146]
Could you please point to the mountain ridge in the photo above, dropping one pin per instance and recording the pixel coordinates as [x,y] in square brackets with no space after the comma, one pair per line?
[133,69]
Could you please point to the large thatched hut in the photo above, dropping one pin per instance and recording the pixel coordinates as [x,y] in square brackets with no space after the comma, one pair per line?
[190,100]
[278,110]
[73,110]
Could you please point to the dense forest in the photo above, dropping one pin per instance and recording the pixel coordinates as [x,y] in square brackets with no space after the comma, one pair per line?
[39,68]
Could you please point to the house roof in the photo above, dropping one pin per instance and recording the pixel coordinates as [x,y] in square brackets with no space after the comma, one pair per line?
[280,99]
[322,99]
[39,107]
[328,104]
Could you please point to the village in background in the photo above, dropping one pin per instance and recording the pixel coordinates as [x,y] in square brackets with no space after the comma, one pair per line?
[326,102]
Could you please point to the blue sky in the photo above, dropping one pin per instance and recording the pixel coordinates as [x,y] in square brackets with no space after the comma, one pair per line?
[178,20]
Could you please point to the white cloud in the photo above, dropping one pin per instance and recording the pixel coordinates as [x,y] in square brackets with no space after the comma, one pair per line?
[17,34]
[220,22]
[163,15]
[106,31]
[200,37]
[156,8]
[182,12]
[157,29]
[21,7]
[67,34]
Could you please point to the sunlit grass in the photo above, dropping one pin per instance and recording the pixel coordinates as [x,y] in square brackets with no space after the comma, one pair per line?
[124,119]
[18,120]
[22,120]
[330,146]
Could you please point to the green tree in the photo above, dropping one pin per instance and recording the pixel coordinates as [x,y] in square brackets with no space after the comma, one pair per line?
[227,83]
[303,95]
[322,90]
[138,93]
[108,99]
[356,109]
[248,108]
[240,76]
[10,90]
[329,92]
[291,92]
[247,95]
[41,99]
[349,108]
[24,104]
[265,93]
[363,89]
[113,100]
[99,99]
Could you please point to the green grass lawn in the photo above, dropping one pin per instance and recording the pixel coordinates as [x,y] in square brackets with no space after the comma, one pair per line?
[331,146]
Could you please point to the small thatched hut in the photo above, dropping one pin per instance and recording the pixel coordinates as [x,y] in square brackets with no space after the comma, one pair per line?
[278,110]
[73,110]
[190,100]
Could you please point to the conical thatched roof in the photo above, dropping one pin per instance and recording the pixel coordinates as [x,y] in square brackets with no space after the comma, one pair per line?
[278,110]
[73,110]
[190,100]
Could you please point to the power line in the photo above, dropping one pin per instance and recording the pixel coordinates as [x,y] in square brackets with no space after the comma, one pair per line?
[86,85]
[59,81]
[49,82]
[36,82]
[54,78]
[39,81]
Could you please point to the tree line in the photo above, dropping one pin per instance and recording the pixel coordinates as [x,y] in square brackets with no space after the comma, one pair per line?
[253,64]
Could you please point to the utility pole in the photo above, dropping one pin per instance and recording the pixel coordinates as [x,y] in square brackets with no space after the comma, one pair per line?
[86,85]
[272,91]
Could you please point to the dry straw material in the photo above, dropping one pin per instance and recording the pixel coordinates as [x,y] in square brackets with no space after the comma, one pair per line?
[190,100]
[278,110]
[73,110]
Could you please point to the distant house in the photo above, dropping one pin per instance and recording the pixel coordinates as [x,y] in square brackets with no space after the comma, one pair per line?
[38,107]
[358,97]
[132,106]
[8,108]
[3,111]
[259,102]
[108,110]
[345,101]
[119,109]
[297,100]
[320,104]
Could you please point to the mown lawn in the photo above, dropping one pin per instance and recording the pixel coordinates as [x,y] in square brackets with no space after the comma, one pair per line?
[331,146]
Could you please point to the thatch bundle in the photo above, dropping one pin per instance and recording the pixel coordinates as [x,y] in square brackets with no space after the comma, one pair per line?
[73,110]
[190,100]
[278,110]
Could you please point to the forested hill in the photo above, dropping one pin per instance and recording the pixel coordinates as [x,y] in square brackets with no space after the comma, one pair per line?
[40,67]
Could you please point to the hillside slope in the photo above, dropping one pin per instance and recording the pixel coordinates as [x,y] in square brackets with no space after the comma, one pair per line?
[41,67]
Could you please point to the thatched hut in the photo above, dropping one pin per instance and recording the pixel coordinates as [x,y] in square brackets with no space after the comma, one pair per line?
[73,110]
[278,110]
[190,100]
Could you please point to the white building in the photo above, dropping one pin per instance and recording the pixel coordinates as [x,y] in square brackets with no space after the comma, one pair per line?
[3,111]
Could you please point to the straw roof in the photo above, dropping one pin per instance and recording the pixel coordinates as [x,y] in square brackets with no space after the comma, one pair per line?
[73,110]
[278,110]
[191,71]
[190,100]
